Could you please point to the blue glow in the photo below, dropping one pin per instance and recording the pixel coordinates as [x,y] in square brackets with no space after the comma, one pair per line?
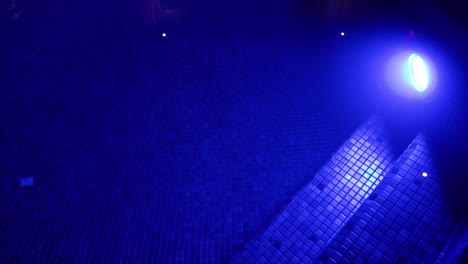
[418,73]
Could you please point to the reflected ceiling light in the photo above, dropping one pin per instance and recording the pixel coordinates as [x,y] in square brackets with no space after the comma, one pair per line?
[418,73]
[424,174]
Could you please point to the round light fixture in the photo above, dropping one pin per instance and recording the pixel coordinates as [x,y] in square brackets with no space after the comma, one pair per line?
[418,73]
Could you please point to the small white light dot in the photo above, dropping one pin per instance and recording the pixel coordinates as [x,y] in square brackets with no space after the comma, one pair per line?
[164,35]
[342,34]
[424,174]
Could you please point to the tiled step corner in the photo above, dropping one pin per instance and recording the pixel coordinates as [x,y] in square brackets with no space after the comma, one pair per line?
[322,208]
[405,220]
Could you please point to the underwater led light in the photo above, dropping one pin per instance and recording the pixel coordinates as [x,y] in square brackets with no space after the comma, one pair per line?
[418,73]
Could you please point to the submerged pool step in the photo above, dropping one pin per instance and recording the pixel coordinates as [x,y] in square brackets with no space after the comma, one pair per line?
[304,228]
[405,220]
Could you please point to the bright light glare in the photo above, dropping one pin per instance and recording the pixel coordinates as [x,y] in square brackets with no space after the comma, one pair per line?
[418,73]
[342,34]
[424,174]
[164,34]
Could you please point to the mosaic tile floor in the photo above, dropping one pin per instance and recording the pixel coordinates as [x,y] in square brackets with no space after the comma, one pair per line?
[206,146]
[152,150]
